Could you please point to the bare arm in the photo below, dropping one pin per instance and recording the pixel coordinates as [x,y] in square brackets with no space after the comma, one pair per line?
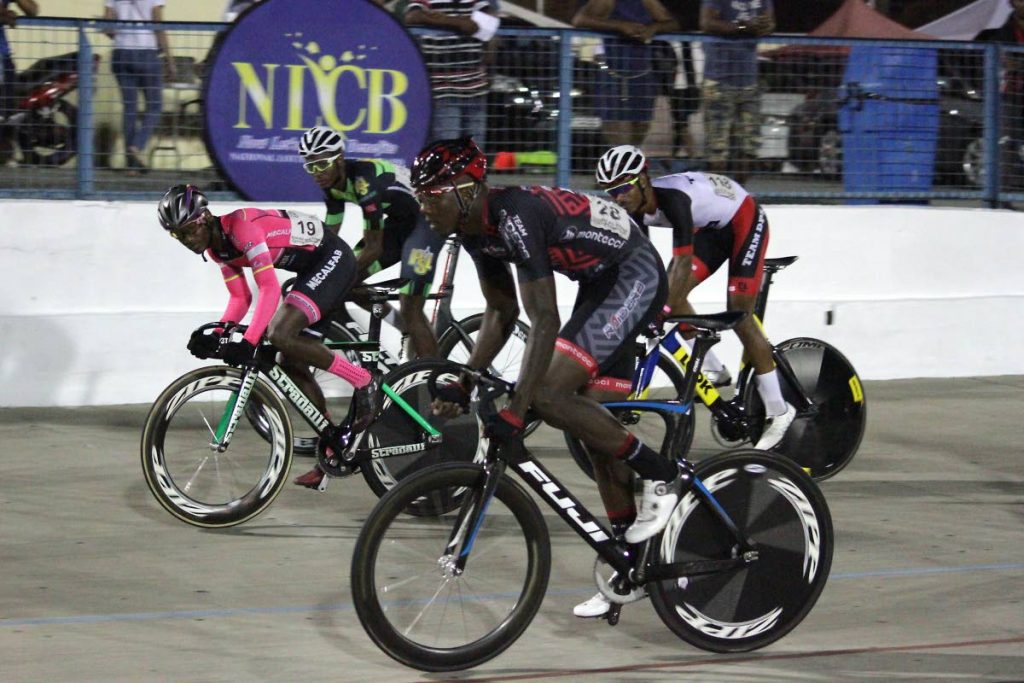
[542,308]
[679,283]
[500,316]
[423,17]
[711,22]
[373,248]
[162,44]
[29,7]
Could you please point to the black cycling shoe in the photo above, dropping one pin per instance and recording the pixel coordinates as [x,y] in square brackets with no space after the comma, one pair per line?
[368,401]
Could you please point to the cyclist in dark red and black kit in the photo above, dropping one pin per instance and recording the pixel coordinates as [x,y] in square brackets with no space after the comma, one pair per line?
[714,221]
[544,231]
[265,240]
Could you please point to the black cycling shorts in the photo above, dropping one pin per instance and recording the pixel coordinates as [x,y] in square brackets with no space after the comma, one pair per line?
[416,249]
[322,285]
[610,312]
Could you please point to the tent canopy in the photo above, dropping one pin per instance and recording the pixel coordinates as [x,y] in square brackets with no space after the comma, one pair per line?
[854,19]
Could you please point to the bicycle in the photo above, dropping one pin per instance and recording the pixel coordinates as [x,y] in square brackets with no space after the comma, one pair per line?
[815,377]
[456,338]
[743,559]
[218,445]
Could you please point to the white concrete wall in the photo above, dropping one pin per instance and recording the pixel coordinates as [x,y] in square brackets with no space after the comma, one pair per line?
[97,303]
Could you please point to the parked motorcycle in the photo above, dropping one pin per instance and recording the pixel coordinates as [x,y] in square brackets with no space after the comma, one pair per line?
[40,121]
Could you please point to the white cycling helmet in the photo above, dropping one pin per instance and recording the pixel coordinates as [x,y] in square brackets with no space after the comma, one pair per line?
[620,161]
[321,140]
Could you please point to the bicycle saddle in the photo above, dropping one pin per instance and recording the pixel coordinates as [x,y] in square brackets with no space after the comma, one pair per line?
[383,290]
[716,322]
[774,265]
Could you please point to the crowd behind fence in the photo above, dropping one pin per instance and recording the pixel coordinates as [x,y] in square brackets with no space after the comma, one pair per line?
[833,119]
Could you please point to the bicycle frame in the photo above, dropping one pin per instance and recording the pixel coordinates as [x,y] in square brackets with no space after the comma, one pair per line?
[311,414]
[575,514]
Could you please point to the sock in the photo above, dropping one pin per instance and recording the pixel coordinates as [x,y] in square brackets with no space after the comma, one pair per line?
[353,374]
[711,361]
[771,394]
[645,461]
[621,520]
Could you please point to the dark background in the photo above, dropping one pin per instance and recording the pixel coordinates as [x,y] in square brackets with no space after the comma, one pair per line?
[792,16]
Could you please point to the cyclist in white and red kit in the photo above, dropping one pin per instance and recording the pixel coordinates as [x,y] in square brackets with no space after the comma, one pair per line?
[264,241]
[714,220]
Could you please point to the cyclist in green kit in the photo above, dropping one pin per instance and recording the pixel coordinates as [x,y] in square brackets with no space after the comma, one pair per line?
[394,230]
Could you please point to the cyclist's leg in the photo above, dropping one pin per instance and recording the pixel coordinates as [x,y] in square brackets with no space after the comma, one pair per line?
[608,316]
[419,259]
[746,270]
[710,251]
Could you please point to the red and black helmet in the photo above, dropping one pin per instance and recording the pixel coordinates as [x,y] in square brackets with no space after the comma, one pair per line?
[444,160]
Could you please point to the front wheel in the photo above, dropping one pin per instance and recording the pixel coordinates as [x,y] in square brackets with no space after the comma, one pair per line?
[411,597]
[825,436]
[189,475]
[784,515]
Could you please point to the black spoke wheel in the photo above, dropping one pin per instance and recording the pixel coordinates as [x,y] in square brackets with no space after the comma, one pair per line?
[413,601]
[396,445]
[824,437]
[782,512]
[194,480]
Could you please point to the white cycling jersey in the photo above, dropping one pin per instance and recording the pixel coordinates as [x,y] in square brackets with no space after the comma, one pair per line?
[714,199]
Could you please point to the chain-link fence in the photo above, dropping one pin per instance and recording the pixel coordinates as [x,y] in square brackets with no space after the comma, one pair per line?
[794,118]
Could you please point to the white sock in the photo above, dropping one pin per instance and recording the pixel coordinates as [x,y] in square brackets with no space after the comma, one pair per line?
[771,394]
[711,361]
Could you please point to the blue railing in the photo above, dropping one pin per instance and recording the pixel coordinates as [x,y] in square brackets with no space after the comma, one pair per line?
[995,177]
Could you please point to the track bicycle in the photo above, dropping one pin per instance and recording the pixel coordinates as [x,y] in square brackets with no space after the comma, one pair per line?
[815,377]
[745,554]
[217,445]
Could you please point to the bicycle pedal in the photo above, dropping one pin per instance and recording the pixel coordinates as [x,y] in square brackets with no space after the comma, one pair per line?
[612,615]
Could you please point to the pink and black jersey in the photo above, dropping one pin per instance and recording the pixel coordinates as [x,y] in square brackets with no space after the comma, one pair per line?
[543,230]
[263,240]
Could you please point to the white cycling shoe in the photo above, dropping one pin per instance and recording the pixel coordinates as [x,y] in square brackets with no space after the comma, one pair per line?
[776,429]
[656,505]
[599,605]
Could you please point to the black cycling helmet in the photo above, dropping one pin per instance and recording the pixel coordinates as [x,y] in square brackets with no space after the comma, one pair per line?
[444,160]
[180,205]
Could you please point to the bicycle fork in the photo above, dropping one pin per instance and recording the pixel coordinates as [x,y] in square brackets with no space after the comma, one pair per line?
[233,411]
[471,516]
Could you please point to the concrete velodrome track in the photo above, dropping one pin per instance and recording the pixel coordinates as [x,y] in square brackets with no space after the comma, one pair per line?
[98,583]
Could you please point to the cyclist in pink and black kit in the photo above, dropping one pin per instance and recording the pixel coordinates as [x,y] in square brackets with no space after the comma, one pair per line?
[714,221]
[265,240]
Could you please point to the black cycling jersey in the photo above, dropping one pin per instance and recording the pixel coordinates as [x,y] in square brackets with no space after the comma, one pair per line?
[543,230]
[380,189]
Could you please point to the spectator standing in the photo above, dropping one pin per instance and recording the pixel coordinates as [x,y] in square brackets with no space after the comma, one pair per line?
[458,75]
[138,68]
[628,83]
[7,75]
[730,86]
[1012,83]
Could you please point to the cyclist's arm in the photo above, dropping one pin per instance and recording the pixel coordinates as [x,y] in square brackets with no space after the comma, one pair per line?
[373,249]
[500,314]
[253,242]
[677,207]
[239,296]
[541,306]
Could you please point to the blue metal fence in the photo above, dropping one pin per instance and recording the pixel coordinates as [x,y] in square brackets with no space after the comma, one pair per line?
[548,118]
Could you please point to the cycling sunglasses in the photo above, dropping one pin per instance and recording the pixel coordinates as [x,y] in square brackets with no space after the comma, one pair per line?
[185,228]
[622,188]
[320,165]
[440,190]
